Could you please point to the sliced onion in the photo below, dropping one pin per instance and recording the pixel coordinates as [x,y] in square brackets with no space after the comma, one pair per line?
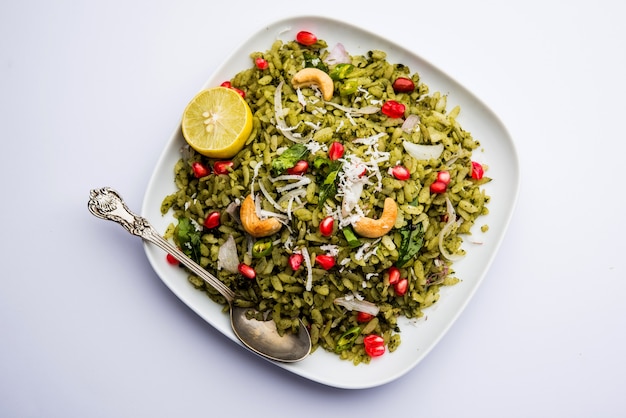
[233,210]
[338,55]
[423,152]
[410,123]
[227,257]
[352,304]
[445,231]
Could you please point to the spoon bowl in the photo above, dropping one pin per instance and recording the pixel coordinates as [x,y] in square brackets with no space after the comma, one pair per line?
[261,337]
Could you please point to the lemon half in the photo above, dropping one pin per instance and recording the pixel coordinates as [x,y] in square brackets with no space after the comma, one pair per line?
[217,122]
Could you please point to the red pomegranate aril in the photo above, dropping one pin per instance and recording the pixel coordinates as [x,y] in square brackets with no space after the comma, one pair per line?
[477,170]
[199,170]
[246,270]
[401,287]
[335,151]
[438,187]
[393,109]
[171,259]
[222,167]
[212,220]
[326,226]
[400,172]
[363,317]
[375,351]
[394,275]
[299,168]
[374,345]
[325,261]
[295,261]
[403,85]
[306,38]
[241,92]
[444,177]
[226,84]
[261,63]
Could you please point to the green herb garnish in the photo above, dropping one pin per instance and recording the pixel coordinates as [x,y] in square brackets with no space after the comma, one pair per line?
[412,241]
[289,158]
[314,61]
[329,187]
[188,238]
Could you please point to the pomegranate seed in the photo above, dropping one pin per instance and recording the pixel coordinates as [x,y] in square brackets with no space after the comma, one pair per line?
[400,172]
[199,170]
[403,85]
[306,38]
[325,261]
[444,177]
[394,275]
[246,270]
[401,287]
[335,151]
[326,226]
[363,317]
[222,167]
[295,261]
[241,92]
[393,109]
[299,168]
[374,345]
[171,259]
[261,63]
[438,187]
[226,84]
[477,170]
[212,220]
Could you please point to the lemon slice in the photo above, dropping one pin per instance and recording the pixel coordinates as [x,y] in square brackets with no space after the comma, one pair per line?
[217,122]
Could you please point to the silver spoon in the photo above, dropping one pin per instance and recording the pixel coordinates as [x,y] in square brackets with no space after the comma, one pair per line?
[259,336]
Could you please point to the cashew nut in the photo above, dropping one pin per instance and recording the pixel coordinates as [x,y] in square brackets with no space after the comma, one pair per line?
[375,228]
[313,76]
[254,225]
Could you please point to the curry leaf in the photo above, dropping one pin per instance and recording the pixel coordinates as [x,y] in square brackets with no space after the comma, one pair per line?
[412,241]
[329,187]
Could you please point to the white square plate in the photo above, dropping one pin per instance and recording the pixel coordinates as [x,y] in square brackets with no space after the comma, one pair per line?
[418,337]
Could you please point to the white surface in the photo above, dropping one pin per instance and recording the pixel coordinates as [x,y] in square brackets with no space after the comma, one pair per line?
[499,153]
[89,94]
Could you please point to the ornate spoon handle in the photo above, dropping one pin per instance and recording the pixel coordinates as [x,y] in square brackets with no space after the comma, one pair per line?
[106,203]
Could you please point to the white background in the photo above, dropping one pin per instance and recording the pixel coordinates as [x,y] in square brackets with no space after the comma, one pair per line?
[89,95]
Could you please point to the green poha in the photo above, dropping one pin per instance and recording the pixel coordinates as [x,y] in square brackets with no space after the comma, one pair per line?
[295,124]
